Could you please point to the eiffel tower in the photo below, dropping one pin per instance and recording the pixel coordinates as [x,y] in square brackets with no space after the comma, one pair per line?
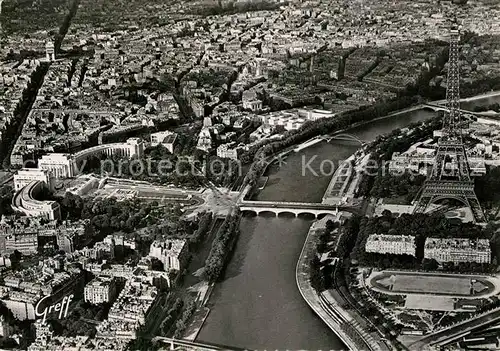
[450,177]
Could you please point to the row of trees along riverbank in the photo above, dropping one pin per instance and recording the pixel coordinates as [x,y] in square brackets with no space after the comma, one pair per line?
[222,248]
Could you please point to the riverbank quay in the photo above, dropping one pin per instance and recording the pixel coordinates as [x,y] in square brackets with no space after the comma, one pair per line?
[340,182]
[195,287]
[345,181]
[325,307]
[204,291]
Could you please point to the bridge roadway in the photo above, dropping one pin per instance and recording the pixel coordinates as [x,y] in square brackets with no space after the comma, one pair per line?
[180,344]
[345,137]
[296,208]
[437,107]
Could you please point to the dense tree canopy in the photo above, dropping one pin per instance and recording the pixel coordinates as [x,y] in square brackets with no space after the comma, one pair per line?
[488,187]
[173,312]
[204,223]
[6,193]
[222,246]
[80,320]
[381,151]
[183,322]
[110,215]
[406,185]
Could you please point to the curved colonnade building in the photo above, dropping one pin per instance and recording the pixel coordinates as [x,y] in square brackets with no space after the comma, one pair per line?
[69,165]
[25,201]
[30,185]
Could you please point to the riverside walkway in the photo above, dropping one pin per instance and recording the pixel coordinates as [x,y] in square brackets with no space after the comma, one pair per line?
[332,314]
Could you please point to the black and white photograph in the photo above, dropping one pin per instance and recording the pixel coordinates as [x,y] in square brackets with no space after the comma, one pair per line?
[318,175]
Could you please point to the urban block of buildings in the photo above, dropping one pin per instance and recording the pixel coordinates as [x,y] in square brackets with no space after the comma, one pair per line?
[391,244]
[100,290]
[230,150]
[172,253]
[458,250]
[166,138]
[23,234]
[134,307]
[50,280]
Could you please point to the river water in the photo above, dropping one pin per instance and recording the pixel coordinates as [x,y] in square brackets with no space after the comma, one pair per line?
[258,305]
[483,102]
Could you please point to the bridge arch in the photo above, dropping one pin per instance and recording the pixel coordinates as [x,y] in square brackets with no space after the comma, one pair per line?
[306,214]
[433,108]
[346,136]
[263,211]
[249,211]
[288,212]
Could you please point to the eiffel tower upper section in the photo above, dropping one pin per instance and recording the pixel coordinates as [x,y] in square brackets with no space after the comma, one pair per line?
[452,131]
[450,177]
[451,158]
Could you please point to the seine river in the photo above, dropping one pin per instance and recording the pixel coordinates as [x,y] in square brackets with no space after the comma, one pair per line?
[258,305]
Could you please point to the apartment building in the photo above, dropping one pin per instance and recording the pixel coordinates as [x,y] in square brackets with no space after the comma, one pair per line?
[27,244]
[165,138]
[172,253]
[458,250]
[229,150]
[391,244]
[100,290]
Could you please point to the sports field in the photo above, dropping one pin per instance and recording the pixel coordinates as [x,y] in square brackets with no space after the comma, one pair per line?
[431,284]
[407,283]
